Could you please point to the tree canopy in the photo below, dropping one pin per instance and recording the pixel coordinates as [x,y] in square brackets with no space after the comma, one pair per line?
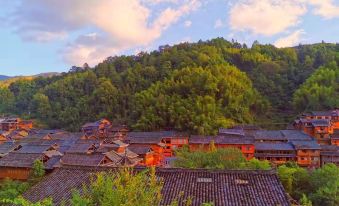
[216,81]
[318,187]
[215,158]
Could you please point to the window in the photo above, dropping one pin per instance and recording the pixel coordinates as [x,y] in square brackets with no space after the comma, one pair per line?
[241,182]
[204,179]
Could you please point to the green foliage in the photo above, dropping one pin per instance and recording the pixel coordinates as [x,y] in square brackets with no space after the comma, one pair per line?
[121,188]
[20,201]
[228,158]
[255,164]
[325,184]
[6,100]
[304,201]
[198,100]
[319,187]
[10,189]
[320,91]
[37,172]
[191,86]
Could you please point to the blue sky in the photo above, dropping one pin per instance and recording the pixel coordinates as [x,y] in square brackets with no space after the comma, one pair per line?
[52,35]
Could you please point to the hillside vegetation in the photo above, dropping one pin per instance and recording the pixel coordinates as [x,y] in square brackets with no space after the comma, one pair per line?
[196,87]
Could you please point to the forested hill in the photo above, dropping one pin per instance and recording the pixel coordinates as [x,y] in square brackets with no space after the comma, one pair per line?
[196,87]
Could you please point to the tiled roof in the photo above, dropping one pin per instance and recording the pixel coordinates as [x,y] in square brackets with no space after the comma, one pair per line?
[144,140]
[140,149]
[269,135]
[159,134]
[273,146]
[231,131]
[329,150]
[82,159]
[321,113]
[91,124]
[118,128]
[7,147]
[221,187]
[80,148]
[51,131]
[329,147]
[265,155]
[281,135]
[221,139]
[52,162]
[300,144]
[120,159]
[14,159]
[295,135]
[320,122]
[33,149]
[335,134]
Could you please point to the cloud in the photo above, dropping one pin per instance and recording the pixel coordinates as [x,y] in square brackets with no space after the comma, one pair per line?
[290,40]
[324,8]
[266,17]
[187,23]
[118,25]
[218,24]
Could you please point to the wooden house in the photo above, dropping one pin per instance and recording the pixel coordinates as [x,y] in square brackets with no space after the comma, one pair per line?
[99,129]
[115,145]
[108,159]
[145,152]
[118,132]
[9,124]
[307,153]
[18,166]
[4,136]
[243,143]
[25,125]
[149,139]
[319,128]
[220,187]
[335,137]
[171,140]
[329,154]
[277,153]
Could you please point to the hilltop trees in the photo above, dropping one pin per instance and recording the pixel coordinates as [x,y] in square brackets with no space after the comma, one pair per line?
[320,91]
[197,99]
[255,83]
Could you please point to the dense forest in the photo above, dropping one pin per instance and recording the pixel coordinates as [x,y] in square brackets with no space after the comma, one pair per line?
[195,87]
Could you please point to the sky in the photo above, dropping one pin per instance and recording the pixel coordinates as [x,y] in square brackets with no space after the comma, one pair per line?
[38,36]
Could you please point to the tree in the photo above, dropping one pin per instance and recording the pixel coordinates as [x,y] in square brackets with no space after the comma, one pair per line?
[124,187]
[199,100]
[41,106]
[228,158]
[256,164]
[10,189]
[37,172]
[318,187]
[105,99]
[320,91]
[6,100]
[325,184]
[304,201]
